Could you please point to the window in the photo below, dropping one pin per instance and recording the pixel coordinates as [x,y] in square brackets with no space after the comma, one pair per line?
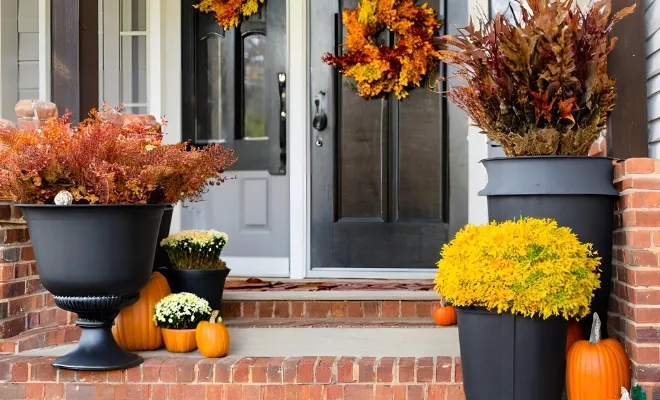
[123,55]
[254,87]
[234,86]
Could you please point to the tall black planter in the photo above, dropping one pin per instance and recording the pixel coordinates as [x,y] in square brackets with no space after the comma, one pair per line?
[162,260]
[510,357]
[94,259]
[577,192]
[207,284]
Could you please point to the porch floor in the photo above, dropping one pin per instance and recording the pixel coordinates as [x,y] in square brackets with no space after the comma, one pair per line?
[332,342]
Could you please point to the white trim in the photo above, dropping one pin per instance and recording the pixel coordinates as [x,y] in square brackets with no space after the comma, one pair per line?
[265,267]
[168,92]
[298,117]
[350,295]
[139,33]
[45,66]
[477,149]
[154,56]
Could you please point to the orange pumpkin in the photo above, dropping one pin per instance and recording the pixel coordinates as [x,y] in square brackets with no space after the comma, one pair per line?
[212,337]
[444,315]
[596,369]
[574,334]
[134,328]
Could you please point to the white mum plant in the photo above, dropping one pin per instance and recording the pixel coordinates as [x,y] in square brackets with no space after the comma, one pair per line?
[181,311]
[195,249]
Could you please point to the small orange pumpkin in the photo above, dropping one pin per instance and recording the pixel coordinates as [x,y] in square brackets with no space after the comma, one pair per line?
[213,337]
[574,334]
[596,369]
[444,315]
[134,328]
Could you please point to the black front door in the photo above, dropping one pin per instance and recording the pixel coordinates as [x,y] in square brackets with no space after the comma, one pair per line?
[382,178]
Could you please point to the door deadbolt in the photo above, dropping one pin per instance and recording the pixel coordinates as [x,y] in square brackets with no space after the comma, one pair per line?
[319,142]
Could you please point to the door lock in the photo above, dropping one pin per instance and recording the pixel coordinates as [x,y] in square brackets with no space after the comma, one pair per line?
[318,142]
[320,121]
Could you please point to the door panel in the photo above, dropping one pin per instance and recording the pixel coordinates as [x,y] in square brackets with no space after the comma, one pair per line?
[380,179]
[232,95]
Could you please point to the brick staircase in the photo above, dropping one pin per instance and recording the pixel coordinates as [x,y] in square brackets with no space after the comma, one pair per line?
[335,344]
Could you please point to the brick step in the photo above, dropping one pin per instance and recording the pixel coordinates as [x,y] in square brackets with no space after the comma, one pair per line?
[41,337]
[235,378]
[330,323]
[319,306]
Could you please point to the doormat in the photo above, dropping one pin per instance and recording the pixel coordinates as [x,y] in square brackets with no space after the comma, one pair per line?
[259,285]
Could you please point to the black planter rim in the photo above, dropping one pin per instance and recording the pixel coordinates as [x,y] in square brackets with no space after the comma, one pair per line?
[546,157]
[198,272]
[122,205]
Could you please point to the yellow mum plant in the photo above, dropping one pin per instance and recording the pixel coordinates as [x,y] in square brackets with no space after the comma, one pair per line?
[530,267]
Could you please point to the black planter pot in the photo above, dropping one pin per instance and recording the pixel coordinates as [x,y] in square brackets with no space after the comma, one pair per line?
[94,259]
[207,284]
[510,357]
[162,260]
[577,192]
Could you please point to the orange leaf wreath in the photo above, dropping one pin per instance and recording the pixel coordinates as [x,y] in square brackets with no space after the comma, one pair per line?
[230,13]
[379,69]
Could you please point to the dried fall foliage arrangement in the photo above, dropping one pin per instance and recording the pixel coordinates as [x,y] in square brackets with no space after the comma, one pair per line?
[538,86]
[379,69]
[230,13]
[99,162]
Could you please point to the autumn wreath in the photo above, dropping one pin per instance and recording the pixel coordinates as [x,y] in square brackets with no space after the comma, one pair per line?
[229,13]
[379,69]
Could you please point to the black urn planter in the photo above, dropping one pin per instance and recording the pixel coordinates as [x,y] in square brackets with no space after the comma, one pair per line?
[208,284]
[511,357]
[162,260]
[578,192]
[94,259]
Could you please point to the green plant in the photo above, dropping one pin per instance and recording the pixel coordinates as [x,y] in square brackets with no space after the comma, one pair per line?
[538,86]
[100,162]
[195,249]
[181,311]
[530,267]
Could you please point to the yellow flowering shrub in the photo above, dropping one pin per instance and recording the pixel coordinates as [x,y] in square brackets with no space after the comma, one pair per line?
[530,267]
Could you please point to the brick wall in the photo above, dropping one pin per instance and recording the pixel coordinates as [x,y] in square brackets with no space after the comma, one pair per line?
[24,304]
[28,316]
[635,301]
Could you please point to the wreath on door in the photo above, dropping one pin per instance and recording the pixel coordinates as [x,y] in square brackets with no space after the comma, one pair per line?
[379,69]
[230,13]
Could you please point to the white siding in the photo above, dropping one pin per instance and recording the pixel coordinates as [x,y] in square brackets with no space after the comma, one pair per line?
[19,53]
[652,16]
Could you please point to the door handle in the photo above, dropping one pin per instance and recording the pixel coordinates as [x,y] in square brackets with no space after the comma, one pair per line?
[320,121]
[281,79]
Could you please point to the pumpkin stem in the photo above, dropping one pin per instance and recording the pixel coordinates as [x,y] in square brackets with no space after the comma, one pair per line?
[214,316]
[442,301]
[595,330]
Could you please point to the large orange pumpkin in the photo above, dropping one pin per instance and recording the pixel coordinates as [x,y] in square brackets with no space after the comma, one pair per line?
[444,315]
[596,369]
[212,337]
[134,328]
[574,334]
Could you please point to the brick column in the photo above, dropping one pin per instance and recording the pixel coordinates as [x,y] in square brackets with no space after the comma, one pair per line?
[26,308]
[635,300]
